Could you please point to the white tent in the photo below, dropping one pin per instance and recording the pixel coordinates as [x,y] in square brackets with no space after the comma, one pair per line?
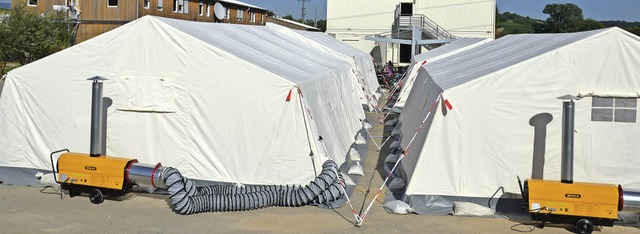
[219,102]
[431,56]
[506,120]
[362,63]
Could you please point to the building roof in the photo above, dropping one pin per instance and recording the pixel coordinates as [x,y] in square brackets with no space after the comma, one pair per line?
[296,23]
[235,2]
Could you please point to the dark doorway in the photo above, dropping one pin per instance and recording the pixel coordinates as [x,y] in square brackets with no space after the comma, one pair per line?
[405,53]
[406,8]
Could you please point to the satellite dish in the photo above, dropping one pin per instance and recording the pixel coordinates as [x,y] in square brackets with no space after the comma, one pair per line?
[220,11]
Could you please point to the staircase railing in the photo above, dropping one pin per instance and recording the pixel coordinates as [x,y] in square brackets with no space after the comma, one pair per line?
[406,22]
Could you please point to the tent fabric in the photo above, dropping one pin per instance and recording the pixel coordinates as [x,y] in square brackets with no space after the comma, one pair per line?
[506,120]
[362,63]
[219,109]
[431,56]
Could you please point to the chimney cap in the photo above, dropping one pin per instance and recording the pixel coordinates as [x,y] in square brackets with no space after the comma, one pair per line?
[569,97]
[97,78]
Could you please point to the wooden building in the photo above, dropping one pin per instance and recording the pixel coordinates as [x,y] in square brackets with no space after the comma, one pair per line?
[94,17]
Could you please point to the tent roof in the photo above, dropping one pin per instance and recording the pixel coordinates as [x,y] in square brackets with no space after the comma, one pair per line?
[500,54]
[295,23]
[448,48]
[333,43]
[287,57]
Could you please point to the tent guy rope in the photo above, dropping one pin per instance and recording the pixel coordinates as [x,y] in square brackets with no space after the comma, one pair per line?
[364,215]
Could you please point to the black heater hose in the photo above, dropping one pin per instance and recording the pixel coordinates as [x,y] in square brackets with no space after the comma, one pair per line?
[186,198]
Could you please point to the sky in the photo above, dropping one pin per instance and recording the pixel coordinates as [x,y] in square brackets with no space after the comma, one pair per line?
[293,7]
[627,10]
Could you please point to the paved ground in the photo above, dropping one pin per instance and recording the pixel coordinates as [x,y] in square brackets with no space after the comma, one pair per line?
[28,210]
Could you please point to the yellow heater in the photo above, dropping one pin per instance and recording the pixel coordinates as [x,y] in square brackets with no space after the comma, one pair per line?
[554,200]
[98,172]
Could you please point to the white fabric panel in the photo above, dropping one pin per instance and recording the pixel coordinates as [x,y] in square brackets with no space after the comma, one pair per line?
[230,121]
[149,93]
[431,56]
[487,139]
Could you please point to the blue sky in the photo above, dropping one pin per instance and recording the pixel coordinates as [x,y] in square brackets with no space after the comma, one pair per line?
[628,10]
[293,7]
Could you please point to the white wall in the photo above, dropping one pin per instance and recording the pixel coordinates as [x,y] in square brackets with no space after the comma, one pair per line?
[352,20]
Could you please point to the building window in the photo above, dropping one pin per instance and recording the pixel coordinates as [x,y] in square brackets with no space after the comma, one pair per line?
[228,14]
[201,8]
[208,10]
[112,3]
[621,110]
[146,4]
[160,5]
[178,6]
[253,16]
[262,19]
[239,15]
[32,3]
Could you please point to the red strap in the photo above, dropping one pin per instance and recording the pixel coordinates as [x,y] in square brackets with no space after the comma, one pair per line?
[446,102]
[289,96]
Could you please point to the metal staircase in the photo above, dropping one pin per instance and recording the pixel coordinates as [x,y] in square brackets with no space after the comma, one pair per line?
[403,25]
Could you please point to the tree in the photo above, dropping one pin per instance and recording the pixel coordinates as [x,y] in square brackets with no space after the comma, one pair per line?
[289,17]
[270,13]
[634,30]
[562,18]
[590,24]
[27,37]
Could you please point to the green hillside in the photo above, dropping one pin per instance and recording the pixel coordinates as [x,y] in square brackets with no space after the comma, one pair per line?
[510,23]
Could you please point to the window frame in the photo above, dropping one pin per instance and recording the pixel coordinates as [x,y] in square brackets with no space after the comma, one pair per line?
[201,8]
[252,17]
[609,104]
[112,6]
[146,4]
[239,15]
[32,5]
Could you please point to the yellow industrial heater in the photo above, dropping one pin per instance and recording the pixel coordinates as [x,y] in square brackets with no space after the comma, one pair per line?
[566,201]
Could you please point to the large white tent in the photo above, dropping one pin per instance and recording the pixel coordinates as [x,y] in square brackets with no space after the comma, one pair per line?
[220,102]
[362,63]
[506,120]
[441,52]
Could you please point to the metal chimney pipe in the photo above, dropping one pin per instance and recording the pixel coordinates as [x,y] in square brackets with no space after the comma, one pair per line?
[96,116]
[568,114]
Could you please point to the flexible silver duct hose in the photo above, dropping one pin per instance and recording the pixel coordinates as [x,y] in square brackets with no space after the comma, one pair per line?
[186,198]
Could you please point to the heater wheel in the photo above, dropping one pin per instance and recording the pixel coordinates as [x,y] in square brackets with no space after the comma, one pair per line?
[95,196]
[584,226]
